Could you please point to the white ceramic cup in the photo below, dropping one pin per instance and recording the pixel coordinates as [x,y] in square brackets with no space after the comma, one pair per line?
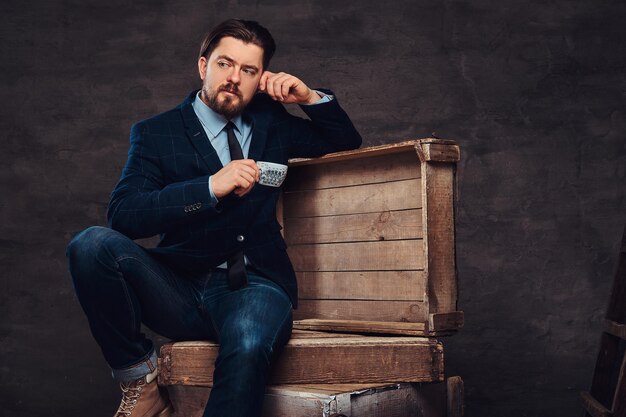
[272,174]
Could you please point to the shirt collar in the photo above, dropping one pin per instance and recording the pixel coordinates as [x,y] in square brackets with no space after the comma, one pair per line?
[213,121]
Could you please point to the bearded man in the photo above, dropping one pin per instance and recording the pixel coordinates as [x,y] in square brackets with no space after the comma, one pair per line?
[220,271]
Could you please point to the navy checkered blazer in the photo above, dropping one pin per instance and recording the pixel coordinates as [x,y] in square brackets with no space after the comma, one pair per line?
[164,191]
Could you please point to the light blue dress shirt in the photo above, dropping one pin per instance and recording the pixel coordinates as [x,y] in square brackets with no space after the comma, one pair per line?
[214,124]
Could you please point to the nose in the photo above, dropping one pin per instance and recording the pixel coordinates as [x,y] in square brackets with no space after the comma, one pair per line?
[233,77]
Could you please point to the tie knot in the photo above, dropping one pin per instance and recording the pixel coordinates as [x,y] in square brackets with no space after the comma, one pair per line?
[230,126]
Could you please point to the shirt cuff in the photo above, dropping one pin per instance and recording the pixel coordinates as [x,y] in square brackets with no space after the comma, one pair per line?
[214,199]
[325,98]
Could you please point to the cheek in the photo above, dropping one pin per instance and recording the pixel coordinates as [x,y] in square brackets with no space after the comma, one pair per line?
[250,88]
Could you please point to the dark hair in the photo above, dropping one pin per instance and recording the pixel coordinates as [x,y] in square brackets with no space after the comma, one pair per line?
[247,31]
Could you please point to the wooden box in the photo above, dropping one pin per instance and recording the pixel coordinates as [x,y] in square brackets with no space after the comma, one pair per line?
[443,399]
[371,235]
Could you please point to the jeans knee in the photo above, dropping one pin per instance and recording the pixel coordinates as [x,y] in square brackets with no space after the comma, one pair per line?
[91,250]
[252,345]
[86,242]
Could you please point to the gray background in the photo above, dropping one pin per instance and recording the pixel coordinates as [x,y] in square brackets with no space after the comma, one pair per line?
[534,93]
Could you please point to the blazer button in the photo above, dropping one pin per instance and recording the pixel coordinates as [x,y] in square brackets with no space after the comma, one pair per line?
[240,238]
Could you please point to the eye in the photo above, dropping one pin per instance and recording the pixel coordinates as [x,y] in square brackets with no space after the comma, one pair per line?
[222,64]
[249,71]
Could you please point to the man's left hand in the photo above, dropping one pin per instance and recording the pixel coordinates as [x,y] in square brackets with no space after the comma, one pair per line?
[286,88]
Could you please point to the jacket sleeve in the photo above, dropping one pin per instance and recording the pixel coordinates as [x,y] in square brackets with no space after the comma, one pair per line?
[328,130]
[141,205]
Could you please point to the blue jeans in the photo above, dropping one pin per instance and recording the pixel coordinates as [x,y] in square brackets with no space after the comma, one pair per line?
[120,285]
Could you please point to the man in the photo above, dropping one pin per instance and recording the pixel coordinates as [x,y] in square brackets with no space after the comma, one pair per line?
[220,270]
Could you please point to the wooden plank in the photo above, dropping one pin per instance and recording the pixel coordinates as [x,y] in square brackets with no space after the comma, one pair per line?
[386,225]
[362,285]
[395,255]
[377,169]
[392,311]
[593,407]
[616,329]
[369,151]
[369,198]
[445,321]
[455,397]
[617,302]
[327,360]
[619,398]
[334,388]
[309,334]
[362,326]
[439,152]
[438,203]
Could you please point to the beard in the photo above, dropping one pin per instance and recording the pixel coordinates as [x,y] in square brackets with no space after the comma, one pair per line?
[227,105]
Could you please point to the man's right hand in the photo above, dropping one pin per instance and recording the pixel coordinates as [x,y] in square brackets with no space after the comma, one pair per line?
[239,176]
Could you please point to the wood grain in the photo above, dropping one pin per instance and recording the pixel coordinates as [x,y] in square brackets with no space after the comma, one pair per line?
[362,326]
[393,311]
[369,198]
[385,225]
[438,203]
[395,255]
[377,169]
[323,360]
[440,152]
[441,322]
[387,149]
[362,285]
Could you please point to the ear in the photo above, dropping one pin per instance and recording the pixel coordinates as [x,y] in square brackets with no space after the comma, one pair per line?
[202,64]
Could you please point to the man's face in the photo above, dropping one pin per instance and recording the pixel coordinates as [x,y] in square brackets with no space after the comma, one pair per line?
[230,76]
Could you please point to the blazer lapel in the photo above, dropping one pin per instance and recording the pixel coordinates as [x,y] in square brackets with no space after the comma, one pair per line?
[197,136]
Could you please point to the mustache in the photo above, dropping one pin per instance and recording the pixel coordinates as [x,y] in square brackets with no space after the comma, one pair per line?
[231,88]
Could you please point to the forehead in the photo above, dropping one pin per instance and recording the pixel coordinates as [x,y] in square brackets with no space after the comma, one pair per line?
[239,51]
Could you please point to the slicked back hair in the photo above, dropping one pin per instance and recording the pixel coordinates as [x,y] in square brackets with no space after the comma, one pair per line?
[247,31]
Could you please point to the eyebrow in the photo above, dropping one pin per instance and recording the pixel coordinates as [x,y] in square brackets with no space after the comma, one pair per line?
[229,59]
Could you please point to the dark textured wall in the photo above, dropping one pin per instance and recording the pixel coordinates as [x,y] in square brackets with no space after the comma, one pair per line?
[534,92]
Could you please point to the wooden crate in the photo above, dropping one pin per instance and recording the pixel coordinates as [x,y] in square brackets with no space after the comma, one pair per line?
[371,236]
[353,400]
[317,357]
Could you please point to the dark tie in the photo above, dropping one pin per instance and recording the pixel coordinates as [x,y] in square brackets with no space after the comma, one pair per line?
[233,144]
[237,276]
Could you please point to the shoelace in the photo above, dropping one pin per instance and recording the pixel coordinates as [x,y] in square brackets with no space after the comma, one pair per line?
[130,394]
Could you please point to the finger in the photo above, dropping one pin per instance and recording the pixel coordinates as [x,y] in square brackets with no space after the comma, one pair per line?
[286,86]
[269,86]
[274,85]
[278,83]
[250,167]
[263,80]
[241,191]
[247,175]
[246,190]
[242,182]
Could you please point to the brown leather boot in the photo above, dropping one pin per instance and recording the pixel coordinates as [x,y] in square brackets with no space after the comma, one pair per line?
[142,398]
